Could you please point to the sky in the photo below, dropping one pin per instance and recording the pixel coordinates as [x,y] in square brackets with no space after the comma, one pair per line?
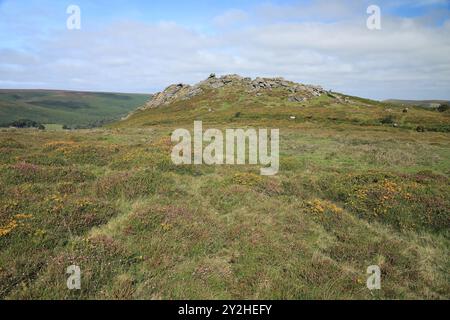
[144,46]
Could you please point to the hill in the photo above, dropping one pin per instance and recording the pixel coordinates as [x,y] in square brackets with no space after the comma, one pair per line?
[361,183]
[418,103]
[273,102]
[70,108]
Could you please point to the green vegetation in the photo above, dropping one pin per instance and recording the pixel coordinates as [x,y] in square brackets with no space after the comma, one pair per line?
[69,108]
[418,103]
[443,107]
[351,192]
[55,127]
[25,123]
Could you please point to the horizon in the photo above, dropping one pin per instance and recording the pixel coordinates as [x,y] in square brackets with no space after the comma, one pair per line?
[139,47]
[153,93]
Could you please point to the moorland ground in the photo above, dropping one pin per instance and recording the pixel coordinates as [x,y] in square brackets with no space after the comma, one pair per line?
[351,192]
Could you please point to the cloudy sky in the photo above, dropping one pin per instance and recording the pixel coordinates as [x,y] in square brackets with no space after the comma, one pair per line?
[143,46]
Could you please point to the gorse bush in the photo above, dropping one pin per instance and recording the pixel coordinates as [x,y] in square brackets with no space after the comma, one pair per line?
[392,199]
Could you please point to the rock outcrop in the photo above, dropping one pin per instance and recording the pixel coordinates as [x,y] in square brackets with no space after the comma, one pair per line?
[173,93]
[296,92]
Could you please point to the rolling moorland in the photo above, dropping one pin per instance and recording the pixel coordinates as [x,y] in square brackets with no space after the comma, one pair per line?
[361,183]
[69,108]
[418,103]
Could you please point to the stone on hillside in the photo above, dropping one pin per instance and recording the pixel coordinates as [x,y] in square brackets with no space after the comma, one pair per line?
[297,92]
[217,85]
[193,92]
[296,99]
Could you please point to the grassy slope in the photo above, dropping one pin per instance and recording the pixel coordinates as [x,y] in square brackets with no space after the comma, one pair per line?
[273,109]
[350,193]
[65,107]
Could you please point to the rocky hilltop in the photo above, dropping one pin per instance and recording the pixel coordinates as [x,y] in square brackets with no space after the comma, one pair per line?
[295,91]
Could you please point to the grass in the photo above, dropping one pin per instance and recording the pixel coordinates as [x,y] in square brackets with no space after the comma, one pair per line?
[351,192]
[53,127]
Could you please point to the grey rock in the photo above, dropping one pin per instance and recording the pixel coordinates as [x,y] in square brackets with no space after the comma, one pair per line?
[296,99]
[296,92]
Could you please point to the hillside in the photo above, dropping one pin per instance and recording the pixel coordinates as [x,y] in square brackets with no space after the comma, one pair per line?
[418,103]
[361,183]
[273,102]
[70,108]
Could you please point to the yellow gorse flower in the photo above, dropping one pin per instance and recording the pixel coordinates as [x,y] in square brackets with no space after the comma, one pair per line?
[247,179]
[166,226]
[5,230]
[23,216]
[319,206]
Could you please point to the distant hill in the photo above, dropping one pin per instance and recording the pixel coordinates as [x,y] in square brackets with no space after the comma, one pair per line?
[70,108]
[418,103]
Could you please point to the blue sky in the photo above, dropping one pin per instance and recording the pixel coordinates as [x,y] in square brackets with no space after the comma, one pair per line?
[143,46]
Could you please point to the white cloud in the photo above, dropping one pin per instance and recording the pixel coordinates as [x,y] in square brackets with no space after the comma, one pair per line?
[406,59]
[316,10]
[230,17]
[419,3]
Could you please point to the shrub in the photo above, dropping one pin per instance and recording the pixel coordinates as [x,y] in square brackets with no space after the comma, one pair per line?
[420,129]
[25,123]
[443,107]
[388,120]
